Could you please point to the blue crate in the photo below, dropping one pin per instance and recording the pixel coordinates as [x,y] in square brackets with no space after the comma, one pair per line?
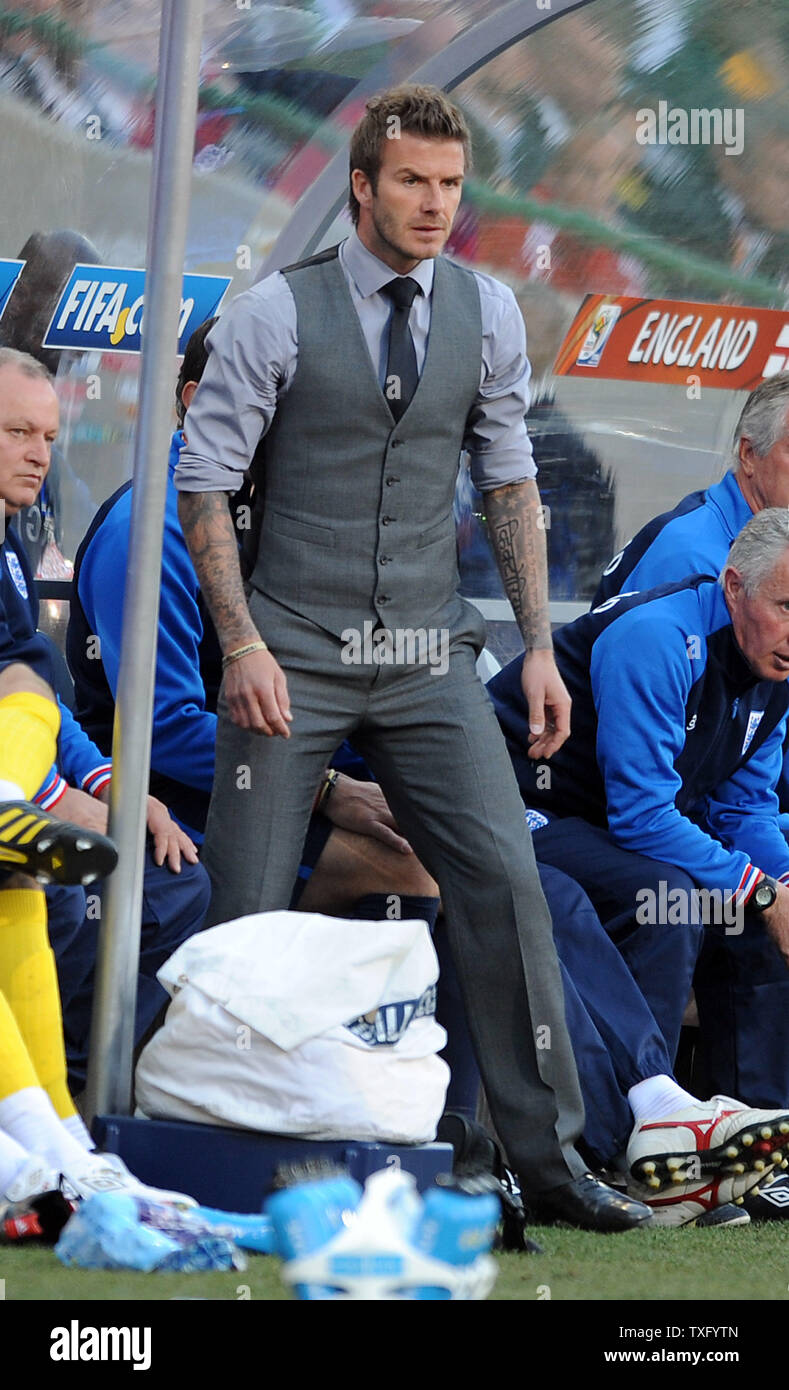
[234,1168]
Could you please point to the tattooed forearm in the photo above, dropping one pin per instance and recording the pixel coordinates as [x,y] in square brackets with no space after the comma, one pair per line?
[514,516]
[211,540]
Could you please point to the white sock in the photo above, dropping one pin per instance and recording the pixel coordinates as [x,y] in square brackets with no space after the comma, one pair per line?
[13,1157]
[30,1117]
[9,791]
[78,1130]
[657,1097]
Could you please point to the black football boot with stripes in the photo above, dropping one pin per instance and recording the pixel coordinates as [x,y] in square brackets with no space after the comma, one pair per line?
[34,842]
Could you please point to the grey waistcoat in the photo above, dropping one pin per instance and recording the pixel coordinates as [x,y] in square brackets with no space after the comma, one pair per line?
[358,520]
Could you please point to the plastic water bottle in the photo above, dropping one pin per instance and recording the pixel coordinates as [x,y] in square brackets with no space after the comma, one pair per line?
[456,1227]
[307,1216]
[250,1230]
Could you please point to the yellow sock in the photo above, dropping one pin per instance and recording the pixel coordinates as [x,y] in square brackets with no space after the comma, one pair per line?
[28,979]
[29,727]
[16,1069]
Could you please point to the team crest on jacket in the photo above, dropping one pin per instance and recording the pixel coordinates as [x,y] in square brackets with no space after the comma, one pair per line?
[754,720]
[15,571]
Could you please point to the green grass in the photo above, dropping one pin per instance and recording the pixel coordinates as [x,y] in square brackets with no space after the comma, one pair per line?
[641,1266]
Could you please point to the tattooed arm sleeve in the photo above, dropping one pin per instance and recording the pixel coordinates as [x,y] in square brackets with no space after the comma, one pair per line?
[211,539]
[514,517]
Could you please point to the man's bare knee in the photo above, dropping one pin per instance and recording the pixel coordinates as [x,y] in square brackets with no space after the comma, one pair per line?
[353,866]
[415,881]
[21,679]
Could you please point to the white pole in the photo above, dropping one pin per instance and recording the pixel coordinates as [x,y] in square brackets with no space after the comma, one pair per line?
[109,1087]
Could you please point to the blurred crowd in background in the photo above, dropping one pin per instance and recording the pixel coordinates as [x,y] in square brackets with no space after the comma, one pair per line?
[563,200]
[554,118]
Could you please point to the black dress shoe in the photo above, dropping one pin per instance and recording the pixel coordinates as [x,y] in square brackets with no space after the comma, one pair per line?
[589,1204]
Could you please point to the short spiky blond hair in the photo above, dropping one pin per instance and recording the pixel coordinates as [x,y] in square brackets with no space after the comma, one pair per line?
[417,110]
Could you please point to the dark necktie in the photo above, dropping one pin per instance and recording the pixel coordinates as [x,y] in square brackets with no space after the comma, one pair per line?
[401,373]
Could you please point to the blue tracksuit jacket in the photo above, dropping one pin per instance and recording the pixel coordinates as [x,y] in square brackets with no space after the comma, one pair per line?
[693,538]
[675,744]
[188,661]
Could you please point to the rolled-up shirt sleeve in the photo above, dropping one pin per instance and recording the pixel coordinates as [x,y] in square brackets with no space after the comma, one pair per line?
[496,434]
[251,360]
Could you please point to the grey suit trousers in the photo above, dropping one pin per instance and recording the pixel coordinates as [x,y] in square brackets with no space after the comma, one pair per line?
[434,744]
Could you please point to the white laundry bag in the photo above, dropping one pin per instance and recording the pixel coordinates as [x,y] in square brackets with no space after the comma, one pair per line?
[296,1023]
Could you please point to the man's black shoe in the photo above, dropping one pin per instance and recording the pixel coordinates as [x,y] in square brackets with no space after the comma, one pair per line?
[52,850]
[771,1203]
[588,1204]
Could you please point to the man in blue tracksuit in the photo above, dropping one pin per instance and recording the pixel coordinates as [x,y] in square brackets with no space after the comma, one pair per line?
[695,536]
[679,712]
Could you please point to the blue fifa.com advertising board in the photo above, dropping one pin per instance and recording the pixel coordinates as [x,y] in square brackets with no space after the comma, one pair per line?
[102,309]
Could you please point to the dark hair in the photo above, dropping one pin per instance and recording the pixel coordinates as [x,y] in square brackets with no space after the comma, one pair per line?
[193,365]
[49,259]
[412,109]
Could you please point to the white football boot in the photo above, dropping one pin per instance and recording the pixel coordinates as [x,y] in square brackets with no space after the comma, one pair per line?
[98,1172]
[33,1179]
[704,1156]
[33,1207]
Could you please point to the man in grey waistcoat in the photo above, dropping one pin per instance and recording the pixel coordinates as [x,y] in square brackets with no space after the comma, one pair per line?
[359,376]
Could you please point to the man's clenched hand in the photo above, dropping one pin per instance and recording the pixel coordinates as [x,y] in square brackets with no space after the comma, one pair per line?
[257,694]
[548,703]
